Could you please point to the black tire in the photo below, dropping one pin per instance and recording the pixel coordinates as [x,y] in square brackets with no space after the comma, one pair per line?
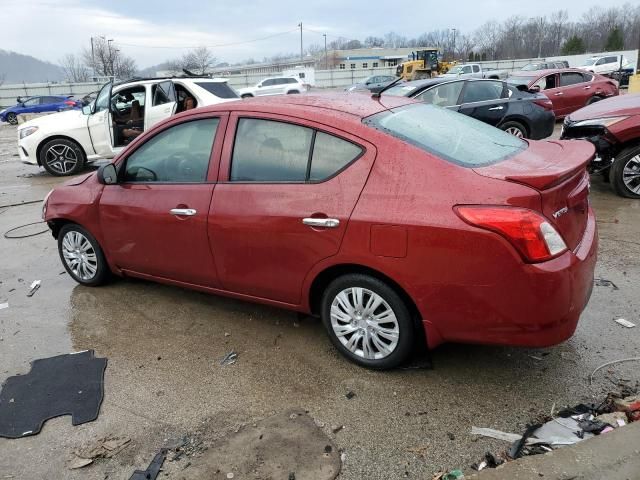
[291,92]
[12,118]
[102,273]
[405,325]
[593,99]
[62,157]
[513,126]
[629,158]
[246,95]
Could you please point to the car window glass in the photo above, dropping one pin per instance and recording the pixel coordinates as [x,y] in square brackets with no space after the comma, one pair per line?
[330,154]
[270,151]
[219,89]
[587,77]
[443,95]
[102,101]
[456,138]
[476,69]
[602,61]
[482,91]
[466,69]
[267,83]
[545,83]
[179,154]
[31,102]
[162,93]
[570,78]
[292,80]
[611,60]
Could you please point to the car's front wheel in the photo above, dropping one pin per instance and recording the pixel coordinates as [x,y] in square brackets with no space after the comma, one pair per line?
[12,118]
[624,174]
[82,256]
[367,321]
[62,157]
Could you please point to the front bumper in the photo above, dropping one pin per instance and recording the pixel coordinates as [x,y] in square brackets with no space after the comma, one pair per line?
[27,149]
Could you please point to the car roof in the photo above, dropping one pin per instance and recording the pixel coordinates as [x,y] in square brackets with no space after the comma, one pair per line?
[346,105]
[417,84]
[147,80]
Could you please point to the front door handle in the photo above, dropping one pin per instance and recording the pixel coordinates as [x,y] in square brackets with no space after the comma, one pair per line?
[588,87]
[322,222]
[558,94]
[496,108]
[187,212]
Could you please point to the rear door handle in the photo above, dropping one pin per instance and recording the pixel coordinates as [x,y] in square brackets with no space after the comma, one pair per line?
[496,108]
[587,87]
[187,212]
[322,222]
[558,94]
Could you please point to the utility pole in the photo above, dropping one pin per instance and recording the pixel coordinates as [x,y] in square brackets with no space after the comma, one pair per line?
[454,45]
[301,52]
[93,59]
[326,60]
[110,55]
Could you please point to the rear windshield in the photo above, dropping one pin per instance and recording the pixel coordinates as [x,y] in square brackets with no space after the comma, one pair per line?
[400,90]
[520,80]
[219,89]
[450,135]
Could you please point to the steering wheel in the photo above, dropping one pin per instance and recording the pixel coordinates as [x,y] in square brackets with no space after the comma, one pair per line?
[135,172]
[179,165]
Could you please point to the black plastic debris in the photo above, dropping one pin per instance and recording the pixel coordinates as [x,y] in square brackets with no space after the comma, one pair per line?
[71,384]
[579,409]
[592,426]
[229,359]
[603,282]
[516,449]
[152,471]
[350,395]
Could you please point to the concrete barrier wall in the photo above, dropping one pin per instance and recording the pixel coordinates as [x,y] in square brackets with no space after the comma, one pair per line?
[9,93]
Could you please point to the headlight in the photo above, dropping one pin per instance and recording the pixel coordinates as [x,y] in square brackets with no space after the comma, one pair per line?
[44,203]
[25,132]
[602,122]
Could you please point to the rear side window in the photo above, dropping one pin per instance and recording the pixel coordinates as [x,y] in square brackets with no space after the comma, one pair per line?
[456,138]
[476,69]
[162,93]
[272,151]
[482,91]
[219,89]
[570,78]
[445,95]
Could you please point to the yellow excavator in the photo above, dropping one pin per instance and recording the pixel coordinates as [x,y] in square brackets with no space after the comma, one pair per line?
[423,64]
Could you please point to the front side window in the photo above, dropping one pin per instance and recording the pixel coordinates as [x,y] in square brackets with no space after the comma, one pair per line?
[453,137]
[32,102]
[445,95]
[273,151]
[179,154]
[482,91]
[269,82]
[602,61]
[466,69]
[570,78]
[611,60]
[102,100]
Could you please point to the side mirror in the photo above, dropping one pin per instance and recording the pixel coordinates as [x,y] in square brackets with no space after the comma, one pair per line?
[107,174]
[535,89]
[86,109]
[259,85]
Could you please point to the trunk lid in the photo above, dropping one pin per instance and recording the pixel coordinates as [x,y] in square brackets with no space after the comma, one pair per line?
[557,170]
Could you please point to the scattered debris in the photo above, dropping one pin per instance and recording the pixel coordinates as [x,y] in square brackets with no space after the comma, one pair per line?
[4,305]
[186,447]
[614,419]
[603,282]
[630,359]
[516,449]
[336,428]
[624,323]
[105,448]
[350,395]
[152,471]
[539,359]
[35,285]
[229,359]
[11,235]
[451,475]
[451,436]
[497,434]
[79,463]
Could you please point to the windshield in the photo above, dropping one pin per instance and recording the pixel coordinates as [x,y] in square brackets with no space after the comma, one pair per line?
[400,90]
[452,136]
[519,80]
[589,61]
[455,70]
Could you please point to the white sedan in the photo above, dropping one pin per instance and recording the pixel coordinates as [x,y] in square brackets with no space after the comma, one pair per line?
[63,142]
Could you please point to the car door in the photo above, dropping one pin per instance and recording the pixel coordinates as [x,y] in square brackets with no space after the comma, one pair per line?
[154,220]
[267,87]
[163,102]
[549,85]
[31,105]
[447,95]
[99,123]
[476,71]
[280,207]
[576,92]
[485,100]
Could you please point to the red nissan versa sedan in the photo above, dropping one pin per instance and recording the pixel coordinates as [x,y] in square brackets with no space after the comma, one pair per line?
[390,219]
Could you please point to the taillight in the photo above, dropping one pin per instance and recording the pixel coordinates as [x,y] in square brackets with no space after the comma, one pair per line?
[529,232]
[544,103]
[69,102]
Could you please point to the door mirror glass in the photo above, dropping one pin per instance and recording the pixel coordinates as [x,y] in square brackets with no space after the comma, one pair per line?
[86,110]
[535,89]
[107,174]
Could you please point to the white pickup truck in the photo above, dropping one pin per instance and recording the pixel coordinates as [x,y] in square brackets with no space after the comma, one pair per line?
[474,70]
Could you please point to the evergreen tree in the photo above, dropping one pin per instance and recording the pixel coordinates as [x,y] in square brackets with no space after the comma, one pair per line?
[573,46]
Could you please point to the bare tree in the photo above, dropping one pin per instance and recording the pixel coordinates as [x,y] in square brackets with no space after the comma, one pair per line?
[74,68]
[107,60]
[199,61]
[2,77]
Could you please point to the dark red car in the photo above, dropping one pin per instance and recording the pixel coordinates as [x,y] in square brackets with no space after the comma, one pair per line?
[613,126]
[568,89]
[389,219]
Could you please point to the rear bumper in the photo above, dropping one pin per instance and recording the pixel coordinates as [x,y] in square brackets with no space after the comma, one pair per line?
[542,125]
[540,307]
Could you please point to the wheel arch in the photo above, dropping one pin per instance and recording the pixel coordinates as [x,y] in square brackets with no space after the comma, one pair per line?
[44,141]
[326,276]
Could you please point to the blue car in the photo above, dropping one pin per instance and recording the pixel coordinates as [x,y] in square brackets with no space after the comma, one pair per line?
[38,105]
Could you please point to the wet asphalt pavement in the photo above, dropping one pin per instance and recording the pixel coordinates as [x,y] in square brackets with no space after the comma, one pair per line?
[164,345]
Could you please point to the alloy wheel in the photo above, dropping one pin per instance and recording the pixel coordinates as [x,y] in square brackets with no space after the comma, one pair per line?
[61,158]
[12,118]
[631,174]
[364,323]
[79,255]
[515,131]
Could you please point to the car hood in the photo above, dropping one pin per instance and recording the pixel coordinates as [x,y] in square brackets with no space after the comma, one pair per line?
[56,121]
[245,90]
[618,106]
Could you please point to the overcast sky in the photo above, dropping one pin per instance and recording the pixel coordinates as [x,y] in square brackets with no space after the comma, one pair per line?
[47,29]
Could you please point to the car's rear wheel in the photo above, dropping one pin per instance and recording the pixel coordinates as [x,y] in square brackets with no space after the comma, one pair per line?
[624,174]
[246,95]
[61,157]
[12,118]
[514,128]
[593,100]
[290,92]
[82,256]
[367,321]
